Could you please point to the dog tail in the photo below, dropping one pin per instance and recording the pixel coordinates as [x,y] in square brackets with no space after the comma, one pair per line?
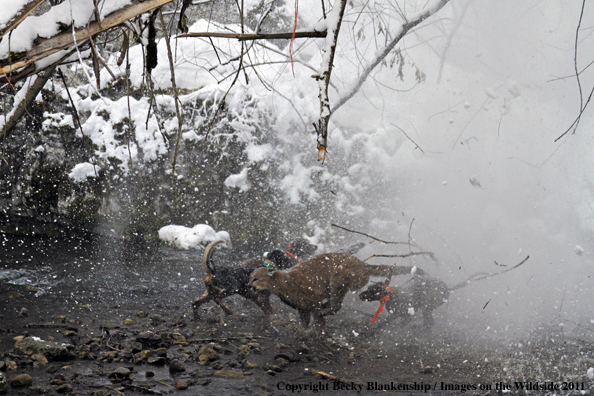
[208,253]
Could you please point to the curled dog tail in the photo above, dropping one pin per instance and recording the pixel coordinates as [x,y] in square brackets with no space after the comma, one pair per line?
[208,253]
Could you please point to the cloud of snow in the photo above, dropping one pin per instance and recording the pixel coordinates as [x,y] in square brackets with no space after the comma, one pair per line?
[82,171]
[239,181]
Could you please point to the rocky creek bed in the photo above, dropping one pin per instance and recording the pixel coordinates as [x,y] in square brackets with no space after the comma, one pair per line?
[113,319]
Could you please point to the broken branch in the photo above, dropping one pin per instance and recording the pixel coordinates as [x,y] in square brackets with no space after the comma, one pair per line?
[256,36]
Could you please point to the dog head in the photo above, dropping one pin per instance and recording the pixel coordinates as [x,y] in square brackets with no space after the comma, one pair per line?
[375,292]
[280,259]
[262,278]
[301,248]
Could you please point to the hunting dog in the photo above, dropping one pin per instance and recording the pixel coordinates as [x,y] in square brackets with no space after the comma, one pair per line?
[222,282]
[316,287]
[424,294]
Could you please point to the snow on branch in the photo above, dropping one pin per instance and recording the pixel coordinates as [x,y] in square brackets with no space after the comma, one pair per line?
[334,21]
[10,20]
[41,48]
[256,36]
[23,99]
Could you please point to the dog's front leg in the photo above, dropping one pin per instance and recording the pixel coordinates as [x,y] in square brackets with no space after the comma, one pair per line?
[305,317]
[319,323]
[262,299]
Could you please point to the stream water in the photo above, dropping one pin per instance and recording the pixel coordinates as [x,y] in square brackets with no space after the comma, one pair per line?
[50,285]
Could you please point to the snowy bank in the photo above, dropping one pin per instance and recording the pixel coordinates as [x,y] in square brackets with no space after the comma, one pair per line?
[191,238]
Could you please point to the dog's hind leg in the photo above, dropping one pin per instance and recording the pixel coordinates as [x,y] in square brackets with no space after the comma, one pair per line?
[223,306]
[206,297]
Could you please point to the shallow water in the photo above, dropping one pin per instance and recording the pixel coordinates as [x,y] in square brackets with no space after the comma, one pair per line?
[94,285]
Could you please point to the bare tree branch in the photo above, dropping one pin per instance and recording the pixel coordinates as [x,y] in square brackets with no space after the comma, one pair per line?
[47,47]
[20,16]
[321,126]
[382,55]
[31,93]
[255,36]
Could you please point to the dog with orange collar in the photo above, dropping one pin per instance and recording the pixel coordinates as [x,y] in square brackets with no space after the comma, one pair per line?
[424,295]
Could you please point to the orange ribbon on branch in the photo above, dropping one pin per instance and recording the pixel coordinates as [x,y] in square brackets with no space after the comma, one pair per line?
[293,37]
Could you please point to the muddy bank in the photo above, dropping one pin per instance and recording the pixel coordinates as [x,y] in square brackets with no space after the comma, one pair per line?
[117,321]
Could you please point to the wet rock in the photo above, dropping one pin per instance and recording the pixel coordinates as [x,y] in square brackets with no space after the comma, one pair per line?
[177,367]
[57,382]
[229,374]
[3,383]
[203,360]
[267,387]
[248,366]
[108,356]
[24,312]
[143,355]
[253,345]
[156,360]
[65,388]
[210,353]
[181,385]
[141,314]
[204,381]
[53,351]
[287,356]
[69,333]
[282,362]
[135,347]
[180,321]
[119,374]
[271,372]
[39,389]
[245,349]
[11,365]
[39,358]
[21,381]
[149,374]
[156,320]
[149,339]
[129,322]
[161,352]
[273,368]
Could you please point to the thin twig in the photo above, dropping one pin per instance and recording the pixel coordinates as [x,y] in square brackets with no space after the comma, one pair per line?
[409,138]
[583,106]
[175,98]
[430,254]
[369,236]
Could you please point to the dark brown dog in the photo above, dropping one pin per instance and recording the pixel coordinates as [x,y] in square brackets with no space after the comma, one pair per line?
[317,287]
[424,294]
[222,282]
